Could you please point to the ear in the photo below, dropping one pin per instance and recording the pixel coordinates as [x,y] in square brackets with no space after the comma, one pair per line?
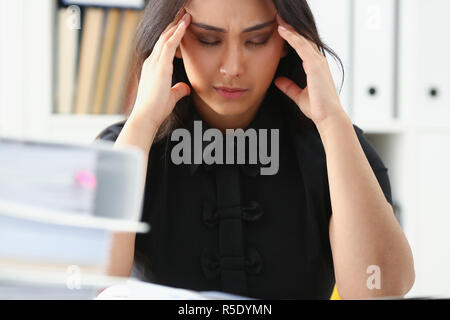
[178,53]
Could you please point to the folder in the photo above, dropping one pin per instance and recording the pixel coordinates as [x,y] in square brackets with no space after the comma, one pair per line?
[89,59]
[121,74]
[424,80]
[68,39]
[333,21]
[374,60]
[107,52]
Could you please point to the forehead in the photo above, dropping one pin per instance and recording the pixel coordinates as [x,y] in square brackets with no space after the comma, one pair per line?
[231,14]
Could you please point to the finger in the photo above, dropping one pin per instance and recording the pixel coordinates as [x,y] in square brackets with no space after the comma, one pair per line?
[166,34]
[291,89]
[157,49]
[177,19]
[170,47]
[313,46]
[179,91]
[303,48]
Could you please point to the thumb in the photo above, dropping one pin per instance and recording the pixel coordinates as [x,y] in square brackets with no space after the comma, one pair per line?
[179,91]
[291,89]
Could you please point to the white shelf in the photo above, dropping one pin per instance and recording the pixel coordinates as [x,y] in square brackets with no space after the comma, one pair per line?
[404,127]
[27,90]
[388,127]
[79,128]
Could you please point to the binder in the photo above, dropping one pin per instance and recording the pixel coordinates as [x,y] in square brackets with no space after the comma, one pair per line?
[89,56]
[107,52]
[333,21]
[424,65]
[121,74]
[374,60]
[67,62]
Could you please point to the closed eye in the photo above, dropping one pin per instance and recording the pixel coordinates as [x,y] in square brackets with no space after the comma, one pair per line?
[216,43]
[205,43]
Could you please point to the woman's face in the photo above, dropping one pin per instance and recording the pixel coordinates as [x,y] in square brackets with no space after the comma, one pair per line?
[229,56]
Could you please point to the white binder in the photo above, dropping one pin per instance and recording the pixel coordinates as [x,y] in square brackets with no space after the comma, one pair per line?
[333,20]
[374,60]
[424,65]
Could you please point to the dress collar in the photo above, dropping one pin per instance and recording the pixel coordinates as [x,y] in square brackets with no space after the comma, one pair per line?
[265,118]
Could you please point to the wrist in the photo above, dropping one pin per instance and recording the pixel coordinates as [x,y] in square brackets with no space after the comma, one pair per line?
[338,119]
[333,125]
[138,132]
[143,124]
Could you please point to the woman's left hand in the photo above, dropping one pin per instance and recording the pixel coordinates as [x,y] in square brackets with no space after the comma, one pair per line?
[319,100]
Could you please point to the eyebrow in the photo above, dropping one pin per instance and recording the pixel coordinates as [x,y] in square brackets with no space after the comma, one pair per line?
[254,28]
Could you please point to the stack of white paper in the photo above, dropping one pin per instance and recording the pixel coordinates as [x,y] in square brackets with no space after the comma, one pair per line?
[56,216]
[28,284]
[136,290]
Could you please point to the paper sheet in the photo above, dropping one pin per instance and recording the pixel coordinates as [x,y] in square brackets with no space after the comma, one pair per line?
[137,290]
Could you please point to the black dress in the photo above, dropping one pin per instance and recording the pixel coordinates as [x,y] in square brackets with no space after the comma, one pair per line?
[228,228]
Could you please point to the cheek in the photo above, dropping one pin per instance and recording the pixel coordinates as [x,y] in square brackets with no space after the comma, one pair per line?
[266,61]
[199,63]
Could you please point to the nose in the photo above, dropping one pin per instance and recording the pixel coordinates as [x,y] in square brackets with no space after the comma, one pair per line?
[233,62]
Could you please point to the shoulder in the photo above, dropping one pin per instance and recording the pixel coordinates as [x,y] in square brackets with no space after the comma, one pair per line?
[112,132]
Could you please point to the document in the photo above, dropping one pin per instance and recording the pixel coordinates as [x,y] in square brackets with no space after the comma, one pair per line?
[137,290]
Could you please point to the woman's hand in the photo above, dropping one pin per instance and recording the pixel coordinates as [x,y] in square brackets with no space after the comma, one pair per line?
[156,98]
[319,100]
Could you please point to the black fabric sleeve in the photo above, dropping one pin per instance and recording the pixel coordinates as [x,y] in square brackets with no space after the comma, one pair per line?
[378,167]
[111,133]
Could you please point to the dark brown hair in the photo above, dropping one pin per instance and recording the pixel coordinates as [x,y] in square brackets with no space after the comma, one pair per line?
[158,14]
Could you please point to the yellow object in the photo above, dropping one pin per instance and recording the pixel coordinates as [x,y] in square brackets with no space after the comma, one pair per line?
[335,294]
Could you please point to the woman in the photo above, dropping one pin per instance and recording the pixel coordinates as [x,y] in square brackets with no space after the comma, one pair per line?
[324,217]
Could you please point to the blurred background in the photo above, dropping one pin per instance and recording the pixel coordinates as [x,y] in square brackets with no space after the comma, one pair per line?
[65,75]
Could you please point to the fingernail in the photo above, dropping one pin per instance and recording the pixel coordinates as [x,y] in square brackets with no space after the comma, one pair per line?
[282,28]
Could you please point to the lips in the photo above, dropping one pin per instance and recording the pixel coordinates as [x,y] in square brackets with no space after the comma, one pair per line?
[226,89]
[231,93]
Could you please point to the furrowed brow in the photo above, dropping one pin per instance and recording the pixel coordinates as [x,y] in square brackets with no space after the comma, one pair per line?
[217,29]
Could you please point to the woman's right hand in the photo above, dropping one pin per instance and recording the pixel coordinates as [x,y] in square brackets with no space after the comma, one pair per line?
[156,98]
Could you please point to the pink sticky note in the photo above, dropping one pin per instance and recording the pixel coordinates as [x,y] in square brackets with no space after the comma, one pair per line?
[86,179]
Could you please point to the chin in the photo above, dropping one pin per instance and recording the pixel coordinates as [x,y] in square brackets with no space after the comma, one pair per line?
[225,108]
[232,109]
